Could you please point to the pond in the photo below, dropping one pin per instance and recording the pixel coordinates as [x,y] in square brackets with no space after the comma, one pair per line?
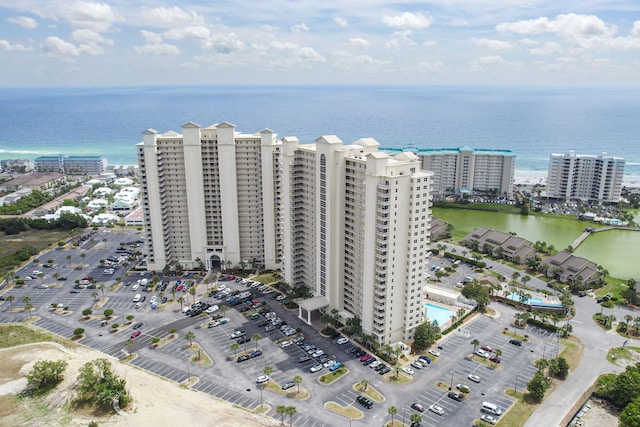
[614,250]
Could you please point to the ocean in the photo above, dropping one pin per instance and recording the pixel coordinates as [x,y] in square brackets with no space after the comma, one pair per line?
[532,122]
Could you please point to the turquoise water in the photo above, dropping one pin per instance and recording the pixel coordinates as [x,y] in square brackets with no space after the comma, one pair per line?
[531,301]
[437,313]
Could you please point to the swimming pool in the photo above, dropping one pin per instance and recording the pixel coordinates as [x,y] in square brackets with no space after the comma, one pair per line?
[437,313]
[531,301]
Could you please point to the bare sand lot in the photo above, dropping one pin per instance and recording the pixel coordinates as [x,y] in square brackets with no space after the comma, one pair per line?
[156,402]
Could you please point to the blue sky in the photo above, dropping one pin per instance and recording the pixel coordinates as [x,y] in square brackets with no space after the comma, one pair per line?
[473,42]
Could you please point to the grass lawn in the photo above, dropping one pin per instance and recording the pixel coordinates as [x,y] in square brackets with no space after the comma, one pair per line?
[401,378]
[347,411]
[332,376]
[38,239]
[374,394]
[622,353]
[615,286]
[199,357]
[13,335]
[266,278]
[395,423]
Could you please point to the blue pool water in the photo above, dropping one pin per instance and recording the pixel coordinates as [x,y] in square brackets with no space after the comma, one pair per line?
[531,301]
[440,314]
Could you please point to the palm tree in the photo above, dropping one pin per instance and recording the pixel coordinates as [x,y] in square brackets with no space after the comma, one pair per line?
[256,338]
[282,411]
[297,380]
[128,343]
[627,318]
[94,295]
[397,370]
[498,353]
[28,307]
[68,259]
[475,344]
[181,300]
[636,321]
[10,298]
[105,242]
[192,292]
[291,411]
[235,346]
[392,411]
[267,370]
[101,287]
[416,418]
[461,313]
[514,277]
[365,383]
[190,336]
[173,293]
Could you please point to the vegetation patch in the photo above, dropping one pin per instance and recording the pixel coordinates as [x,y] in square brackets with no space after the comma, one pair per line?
[347,411]
[332,376]
[371,392]
[623,356]
[14,335]
[397,378]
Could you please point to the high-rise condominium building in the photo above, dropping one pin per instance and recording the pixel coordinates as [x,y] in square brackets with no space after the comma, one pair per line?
[467,171]
[211,195]
[585,177]
[356,231]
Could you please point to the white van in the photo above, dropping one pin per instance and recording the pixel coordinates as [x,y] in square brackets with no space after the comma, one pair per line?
[491,408]
[137,298]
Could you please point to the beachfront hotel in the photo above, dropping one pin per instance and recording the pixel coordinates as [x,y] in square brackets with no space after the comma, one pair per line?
[467,171]
[586,177]
[347,221]
[357,231]
[211,195]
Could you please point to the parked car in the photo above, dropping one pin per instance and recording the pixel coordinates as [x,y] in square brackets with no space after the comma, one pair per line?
[455,396]
[463,388]
[304,358]
[487,348]
[236,334]
[135,334]
[243,358]
[408,370]
[315,368]
[418,407]
[516,342]
[474,378]
[436,409]
[335,366]
[243,339]
[364,401]
[365,357]
[287,385]
[285,344]
[341,341]
[416,364]
[138,325]
[489,419]
[385,369]
[262,379]
[256,354]
[424,360]
[434,352]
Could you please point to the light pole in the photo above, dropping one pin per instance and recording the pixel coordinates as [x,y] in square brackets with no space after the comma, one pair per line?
[451,383]
[515,387]
[260,387]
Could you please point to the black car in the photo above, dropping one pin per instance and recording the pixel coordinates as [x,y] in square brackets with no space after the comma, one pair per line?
[455,396]
[138,325]
[516,342]
[62,278]
[243,339]
[288,385]
[364,402]
[243,358]
[304,358]
[418,407]
[256,353]
[384,370]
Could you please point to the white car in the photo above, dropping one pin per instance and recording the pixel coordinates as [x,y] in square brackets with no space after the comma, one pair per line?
[434,352]
[316,368]
[436,409]
[416,364]
[236,334]
[474,378]
[374,364]
[285,344]
[342,340]
[262,379]
[135,287]
[408,370]
[482,353]
[138,305]
[281,297]
[212,309]
[329,363]
[153,299]
[489,418]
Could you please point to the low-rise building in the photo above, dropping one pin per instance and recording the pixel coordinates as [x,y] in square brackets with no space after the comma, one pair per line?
[500,245]
[568,268]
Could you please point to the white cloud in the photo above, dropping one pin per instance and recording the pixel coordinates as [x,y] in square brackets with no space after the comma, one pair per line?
[198,33]
[481,63]
[568,25]
[94,16]
[172,17]
[430,43]
[295,55]
[299,28]
[359,42]
[359,62]
[151,37]
[8,47]
[407,20]
[55,46]
[157,49]
[221,43]
[90,42]
[528,42]
[24,22]
[549,48]
[341,21]
[430,67]
[492,44]
[635,31]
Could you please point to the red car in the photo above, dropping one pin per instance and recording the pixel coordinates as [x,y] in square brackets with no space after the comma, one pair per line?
[487,348]
[365,357]
[135,334]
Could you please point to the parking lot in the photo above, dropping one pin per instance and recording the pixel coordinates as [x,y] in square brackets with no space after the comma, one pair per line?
[236,382]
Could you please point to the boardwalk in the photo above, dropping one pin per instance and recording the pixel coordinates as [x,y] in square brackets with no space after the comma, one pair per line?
[586,233]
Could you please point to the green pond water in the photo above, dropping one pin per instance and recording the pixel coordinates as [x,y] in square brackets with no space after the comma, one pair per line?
[618,251]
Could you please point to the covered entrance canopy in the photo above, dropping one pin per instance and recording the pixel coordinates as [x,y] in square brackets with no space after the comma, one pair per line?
[310,305]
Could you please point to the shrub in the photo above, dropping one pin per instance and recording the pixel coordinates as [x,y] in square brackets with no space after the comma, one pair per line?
[78,331]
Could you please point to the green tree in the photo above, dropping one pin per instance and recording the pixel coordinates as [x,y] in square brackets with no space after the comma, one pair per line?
[416,418]
[297,380]
[425,335]
[559,367]
[291,411]
[78,331]
[478,293]
[87,312]
[630,415]
[392,411]
[235,347]
[475,343]
[364,383]
[45,374]
[267,370]
[190,336]
[256,338]
[538,385]
[282,411]
[626,387]
[98,384]
[108,312]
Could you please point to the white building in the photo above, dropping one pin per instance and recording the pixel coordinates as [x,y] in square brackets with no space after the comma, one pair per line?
[211,195]
[357,231]
[465,170]
[585,177]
